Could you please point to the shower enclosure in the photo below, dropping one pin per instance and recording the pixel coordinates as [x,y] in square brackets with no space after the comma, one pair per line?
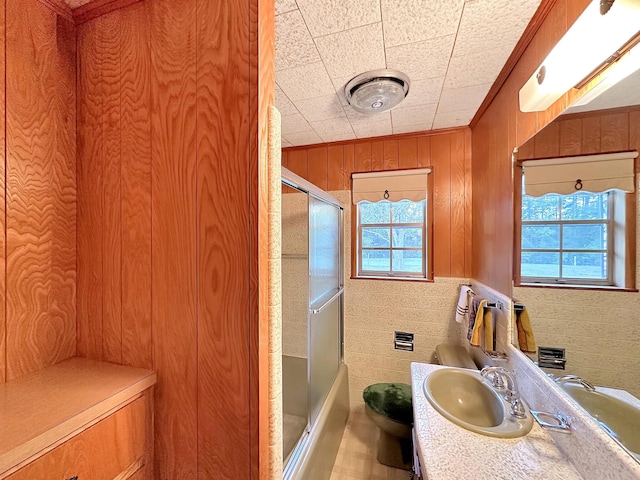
[315,396]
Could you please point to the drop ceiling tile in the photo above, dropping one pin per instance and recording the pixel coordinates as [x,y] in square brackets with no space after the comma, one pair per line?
[420,127]
[409,22]
[421,114]
[475,68]
[420,60]
[306,81]
[285,143]
[321,108]
[423,92]
[352,52]
[465,98]
[330,16]
[294,45]
[284,6]
[365,126]
[453,119]
[294,124]
[303,138]
[491,24]
[334,130]
[283,104]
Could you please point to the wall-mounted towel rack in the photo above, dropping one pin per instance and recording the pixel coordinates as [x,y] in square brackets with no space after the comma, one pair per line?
[497,305]
[518,307]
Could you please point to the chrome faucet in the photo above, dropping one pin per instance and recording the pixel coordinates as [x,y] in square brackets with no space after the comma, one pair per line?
[575,379]
[497,376]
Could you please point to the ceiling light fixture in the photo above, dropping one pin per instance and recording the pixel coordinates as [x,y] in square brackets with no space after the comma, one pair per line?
[376,91]
[593,40]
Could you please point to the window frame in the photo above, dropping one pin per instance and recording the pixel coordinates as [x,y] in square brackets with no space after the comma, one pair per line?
[621,257]
[360,273]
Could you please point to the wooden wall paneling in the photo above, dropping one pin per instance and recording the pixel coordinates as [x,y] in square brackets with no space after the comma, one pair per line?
[634,131]
[408,153]
[3,226]
[135,120]
[90,188]
[297,162]
[109,44]
[284,159]
[591,134]
[614,132]
[335,168]
[362,159]
[468,199]
[377,156]
[349,164]
[223,260]
[441,161]
[40,189]
[547,141]
[458,205]
[173,207]
[424,151]
[317,161]
[97,8]
[570,137]
[390,159]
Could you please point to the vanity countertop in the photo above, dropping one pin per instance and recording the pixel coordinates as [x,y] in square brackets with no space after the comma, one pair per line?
[448,451]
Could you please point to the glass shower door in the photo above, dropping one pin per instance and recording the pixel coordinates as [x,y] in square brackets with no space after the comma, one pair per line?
[325,301]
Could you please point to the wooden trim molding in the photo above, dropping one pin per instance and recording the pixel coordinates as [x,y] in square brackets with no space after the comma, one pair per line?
[97,8]
[532,28]
[59,7]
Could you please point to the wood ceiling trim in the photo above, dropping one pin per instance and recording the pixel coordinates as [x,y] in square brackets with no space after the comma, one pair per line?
[59,7]
[532,28]
[96,8]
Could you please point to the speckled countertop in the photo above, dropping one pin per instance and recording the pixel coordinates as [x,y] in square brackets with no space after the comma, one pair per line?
[448,451]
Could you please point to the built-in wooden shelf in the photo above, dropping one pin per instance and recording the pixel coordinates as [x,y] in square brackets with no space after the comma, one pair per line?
[44,409]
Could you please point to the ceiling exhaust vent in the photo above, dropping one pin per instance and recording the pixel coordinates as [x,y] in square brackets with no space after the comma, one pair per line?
[376,91]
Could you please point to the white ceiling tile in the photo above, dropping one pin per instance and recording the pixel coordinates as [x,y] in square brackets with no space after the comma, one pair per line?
[423,92]
[321,108]
[413,115]
[465,98]
[491,24]
[284,6]
[475,68]
[306,81]
[285,143]
[334,130]
[303,138]
[283,104]
[453,119]
[420,127]
[365,126]
[426,59]
[294,45]
[352,52]
[411,21]
[330,16]
[294,124]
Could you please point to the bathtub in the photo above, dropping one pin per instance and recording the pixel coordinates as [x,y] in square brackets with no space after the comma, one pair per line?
[312,458]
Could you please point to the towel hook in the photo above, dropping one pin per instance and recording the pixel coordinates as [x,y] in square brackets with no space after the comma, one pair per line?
[578,185]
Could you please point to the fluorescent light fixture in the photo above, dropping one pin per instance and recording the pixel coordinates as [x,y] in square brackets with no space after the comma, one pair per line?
[591,41]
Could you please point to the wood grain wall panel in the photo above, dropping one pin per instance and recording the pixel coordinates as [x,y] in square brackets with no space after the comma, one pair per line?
[223,239]
[570,137]
[109,51]
[408,153]
[349,164]
[135,121]
[3,270]
[634,130]
[377,156]
[317,161]
[362,161]
[458,205]
[550,144]
[390,160]
[40,188]
[297,162]
[614,132]
[285,159]
[173,194]
[441,161]
[424,151]
[468,203]
[335,168]
[591,135]
[90,188]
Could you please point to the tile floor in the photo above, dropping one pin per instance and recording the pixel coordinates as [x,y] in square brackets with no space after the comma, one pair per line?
[356,458]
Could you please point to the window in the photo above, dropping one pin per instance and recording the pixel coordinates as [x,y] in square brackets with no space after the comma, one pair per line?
[391,239]
[568,238]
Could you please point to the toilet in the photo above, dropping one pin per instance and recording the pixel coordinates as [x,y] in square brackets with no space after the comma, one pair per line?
[389,406]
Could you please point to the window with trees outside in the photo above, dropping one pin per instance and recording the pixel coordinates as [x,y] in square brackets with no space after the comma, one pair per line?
[569,238]
[391,239]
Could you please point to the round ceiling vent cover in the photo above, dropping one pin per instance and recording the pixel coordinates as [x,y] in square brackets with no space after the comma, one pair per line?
[376,91]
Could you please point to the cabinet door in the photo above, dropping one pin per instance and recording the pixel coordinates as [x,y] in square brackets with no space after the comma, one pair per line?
[112,446]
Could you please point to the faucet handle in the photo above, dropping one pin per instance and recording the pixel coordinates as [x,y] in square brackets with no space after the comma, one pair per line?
[517,408]
[495,375]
